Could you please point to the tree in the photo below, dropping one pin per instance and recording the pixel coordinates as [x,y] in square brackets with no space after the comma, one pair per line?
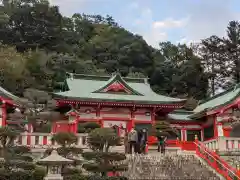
[163,128]
[87,127]
[178,72]
[39,108]
[12,69]
[101,159]
[232,46]
[67,141]
[53,44]
[211,51]
[17,162]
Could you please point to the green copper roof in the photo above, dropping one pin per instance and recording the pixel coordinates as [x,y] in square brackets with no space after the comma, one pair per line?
[117,78]
[218,100]
[85,87]
[6,94]
[180,115]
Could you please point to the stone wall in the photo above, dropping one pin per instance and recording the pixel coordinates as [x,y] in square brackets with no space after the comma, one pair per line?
[169,166]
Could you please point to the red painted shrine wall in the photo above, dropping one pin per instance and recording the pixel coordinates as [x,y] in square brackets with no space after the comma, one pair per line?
[106,116]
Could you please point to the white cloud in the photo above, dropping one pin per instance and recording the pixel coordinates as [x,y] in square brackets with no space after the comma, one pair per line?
[208,18]
[157,31]
[145,27]
[170,23]
[134,5]
[204,18]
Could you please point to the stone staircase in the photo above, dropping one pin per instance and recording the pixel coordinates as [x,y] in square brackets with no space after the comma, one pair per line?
[169,166]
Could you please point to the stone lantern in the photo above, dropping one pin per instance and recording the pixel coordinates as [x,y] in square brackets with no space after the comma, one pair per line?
[54,164]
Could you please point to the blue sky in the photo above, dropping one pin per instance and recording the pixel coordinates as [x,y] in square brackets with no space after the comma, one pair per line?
[182,21]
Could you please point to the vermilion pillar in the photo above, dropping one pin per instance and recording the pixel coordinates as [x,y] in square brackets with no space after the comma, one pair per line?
[98,115]
[227,131]
[131,123]
[4,114]
[215,127]
[153,114]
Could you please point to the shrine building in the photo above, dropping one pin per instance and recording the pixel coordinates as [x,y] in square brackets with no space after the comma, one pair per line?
[130,102]
[112,101]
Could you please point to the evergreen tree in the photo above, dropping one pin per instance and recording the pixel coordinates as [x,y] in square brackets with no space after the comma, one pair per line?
[232,44]
[101,159]
[16,162]
[69,150]
[211,52]
[163,128]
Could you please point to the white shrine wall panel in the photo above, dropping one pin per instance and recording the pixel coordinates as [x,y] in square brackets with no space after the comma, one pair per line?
[87,112]
[115,113]
[143,115]
[116,123]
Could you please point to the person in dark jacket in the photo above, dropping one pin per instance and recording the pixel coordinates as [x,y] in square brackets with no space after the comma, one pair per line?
[143,141]
[161,144]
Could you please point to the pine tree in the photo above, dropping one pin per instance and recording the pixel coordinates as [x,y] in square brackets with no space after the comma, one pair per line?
[101,160]
[163,128]
[16,162]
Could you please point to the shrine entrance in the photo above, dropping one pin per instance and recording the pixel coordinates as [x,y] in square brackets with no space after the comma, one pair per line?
[235,132]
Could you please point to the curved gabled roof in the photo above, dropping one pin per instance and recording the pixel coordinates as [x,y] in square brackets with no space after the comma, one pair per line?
[218,100]
[89,88]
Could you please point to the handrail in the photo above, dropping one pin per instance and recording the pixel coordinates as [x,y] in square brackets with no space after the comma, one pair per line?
[198,144]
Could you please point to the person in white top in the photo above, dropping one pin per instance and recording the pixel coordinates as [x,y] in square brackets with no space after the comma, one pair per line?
[132,140]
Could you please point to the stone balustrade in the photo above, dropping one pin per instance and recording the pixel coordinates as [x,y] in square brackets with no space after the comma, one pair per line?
[44,140]
[223,144]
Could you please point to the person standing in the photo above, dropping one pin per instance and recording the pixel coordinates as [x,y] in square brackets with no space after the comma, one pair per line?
[143,140]
[132,140]
[126,144]
[162,144]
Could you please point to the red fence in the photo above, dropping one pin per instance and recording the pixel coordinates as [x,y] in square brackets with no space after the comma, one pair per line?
[186,145]
[216,162]
[152,140]
[211,158]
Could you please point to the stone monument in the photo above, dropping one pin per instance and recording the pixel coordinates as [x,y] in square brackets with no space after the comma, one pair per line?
[54,164]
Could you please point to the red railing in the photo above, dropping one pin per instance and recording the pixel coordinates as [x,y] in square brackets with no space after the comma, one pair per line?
[186,145]
[171,143]
[217,163]
[152,140]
